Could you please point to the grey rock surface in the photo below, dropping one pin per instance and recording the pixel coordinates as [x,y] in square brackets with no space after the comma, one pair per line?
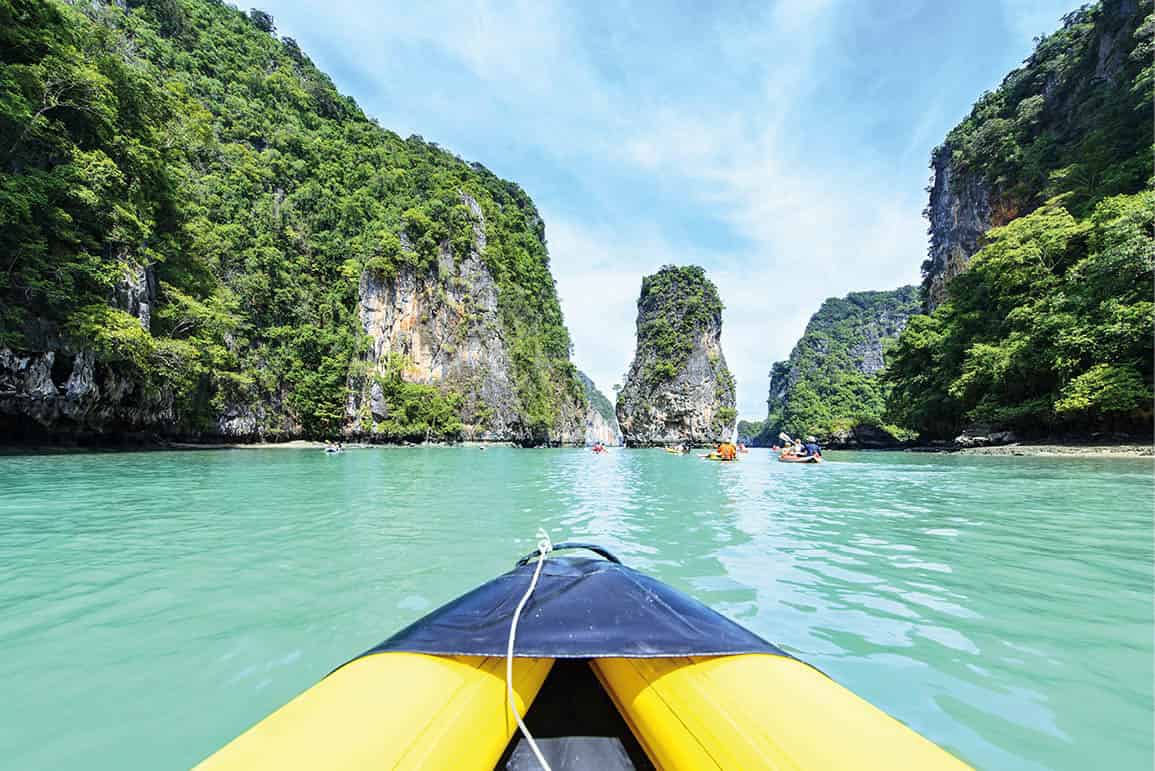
[696,401]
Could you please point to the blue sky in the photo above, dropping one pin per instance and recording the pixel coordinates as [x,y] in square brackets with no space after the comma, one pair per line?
[781,145]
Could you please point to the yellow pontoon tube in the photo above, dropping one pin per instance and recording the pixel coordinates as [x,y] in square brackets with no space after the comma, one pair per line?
[611,670]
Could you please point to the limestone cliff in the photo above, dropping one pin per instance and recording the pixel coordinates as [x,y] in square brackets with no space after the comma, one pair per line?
[829,386]
[959,213]
[678,387]
[446,325]
[61,386]
[1040,325]
[1045,132]
[601,422]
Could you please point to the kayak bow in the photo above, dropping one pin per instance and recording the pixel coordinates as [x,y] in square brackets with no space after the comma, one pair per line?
[612,670]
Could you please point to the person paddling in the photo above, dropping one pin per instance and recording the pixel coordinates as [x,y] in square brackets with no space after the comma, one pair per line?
[811,448]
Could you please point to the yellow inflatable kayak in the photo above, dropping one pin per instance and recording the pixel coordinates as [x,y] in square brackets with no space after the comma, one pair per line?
[611,670]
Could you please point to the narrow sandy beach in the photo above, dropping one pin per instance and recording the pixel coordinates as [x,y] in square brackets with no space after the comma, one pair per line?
[1076,450]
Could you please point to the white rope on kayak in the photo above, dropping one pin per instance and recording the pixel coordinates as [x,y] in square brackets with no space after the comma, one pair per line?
[544,547]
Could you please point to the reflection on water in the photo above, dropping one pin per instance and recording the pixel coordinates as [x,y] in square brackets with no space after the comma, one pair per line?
[164,601]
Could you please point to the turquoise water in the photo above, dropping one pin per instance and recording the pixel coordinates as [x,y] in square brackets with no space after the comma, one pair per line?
[153,605]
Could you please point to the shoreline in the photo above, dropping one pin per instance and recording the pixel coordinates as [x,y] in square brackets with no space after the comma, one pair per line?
[1043,449]
[312,444]
[156,444]
[1051,450]
[1130,450]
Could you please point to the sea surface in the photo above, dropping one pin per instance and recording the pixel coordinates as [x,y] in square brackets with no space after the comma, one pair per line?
[155,604]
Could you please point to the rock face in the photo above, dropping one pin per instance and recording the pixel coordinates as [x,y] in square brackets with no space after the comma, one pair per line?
[959,212]
[829,386]
[601,421]
[983,436]
[445,324]
[63,389]
[66,392]
[678,387]
[1043,107]
[135,292]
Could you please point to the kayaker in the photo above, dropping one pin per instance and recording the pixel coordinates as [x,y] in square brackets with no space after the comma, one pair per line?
[811,448]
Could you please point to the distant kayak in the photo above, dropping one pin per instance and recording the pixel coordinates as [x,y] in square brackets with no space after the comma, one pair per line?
[796,459]
[674,451]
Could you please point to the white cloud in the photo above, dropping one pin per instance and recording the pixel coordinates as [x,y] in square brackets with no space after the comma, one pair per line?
[811,231]
[767,301]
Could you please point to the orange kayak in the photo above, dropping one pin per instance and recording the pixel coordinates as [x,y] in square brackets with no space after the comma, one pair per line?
[795,459]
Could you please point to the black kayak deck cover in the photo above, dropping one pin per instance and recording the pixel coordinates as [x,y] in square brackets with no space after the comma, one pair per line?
[581,608]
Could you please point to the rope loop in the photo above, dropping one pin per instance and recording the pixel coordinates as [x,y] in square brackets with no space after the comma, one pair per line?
[544,547]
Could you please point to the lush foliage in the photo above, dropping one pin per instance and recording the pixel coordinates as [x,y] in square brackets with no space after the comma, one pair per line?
[676,306]
[831,382]
[182,135]
[748,430]
[1074,120]
[416,412]
[1049,329]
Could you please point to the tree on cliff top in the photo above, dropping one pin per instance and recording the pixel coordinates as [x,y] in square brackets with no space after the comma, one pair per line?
[678,387]
[1074,123]
[676,305]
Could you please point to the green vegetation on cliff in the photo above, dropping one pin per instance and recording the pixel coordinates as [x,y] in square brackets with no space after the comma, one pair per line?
[678,387]
[749,430]
[1074,121]
[182,135]
[597,399]
[831,382]
[416,412]
[677,303]
[1049,328]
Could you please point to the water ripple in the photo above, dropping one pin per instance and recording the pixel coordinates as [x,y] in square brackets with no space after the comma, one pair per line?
[1002,606]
